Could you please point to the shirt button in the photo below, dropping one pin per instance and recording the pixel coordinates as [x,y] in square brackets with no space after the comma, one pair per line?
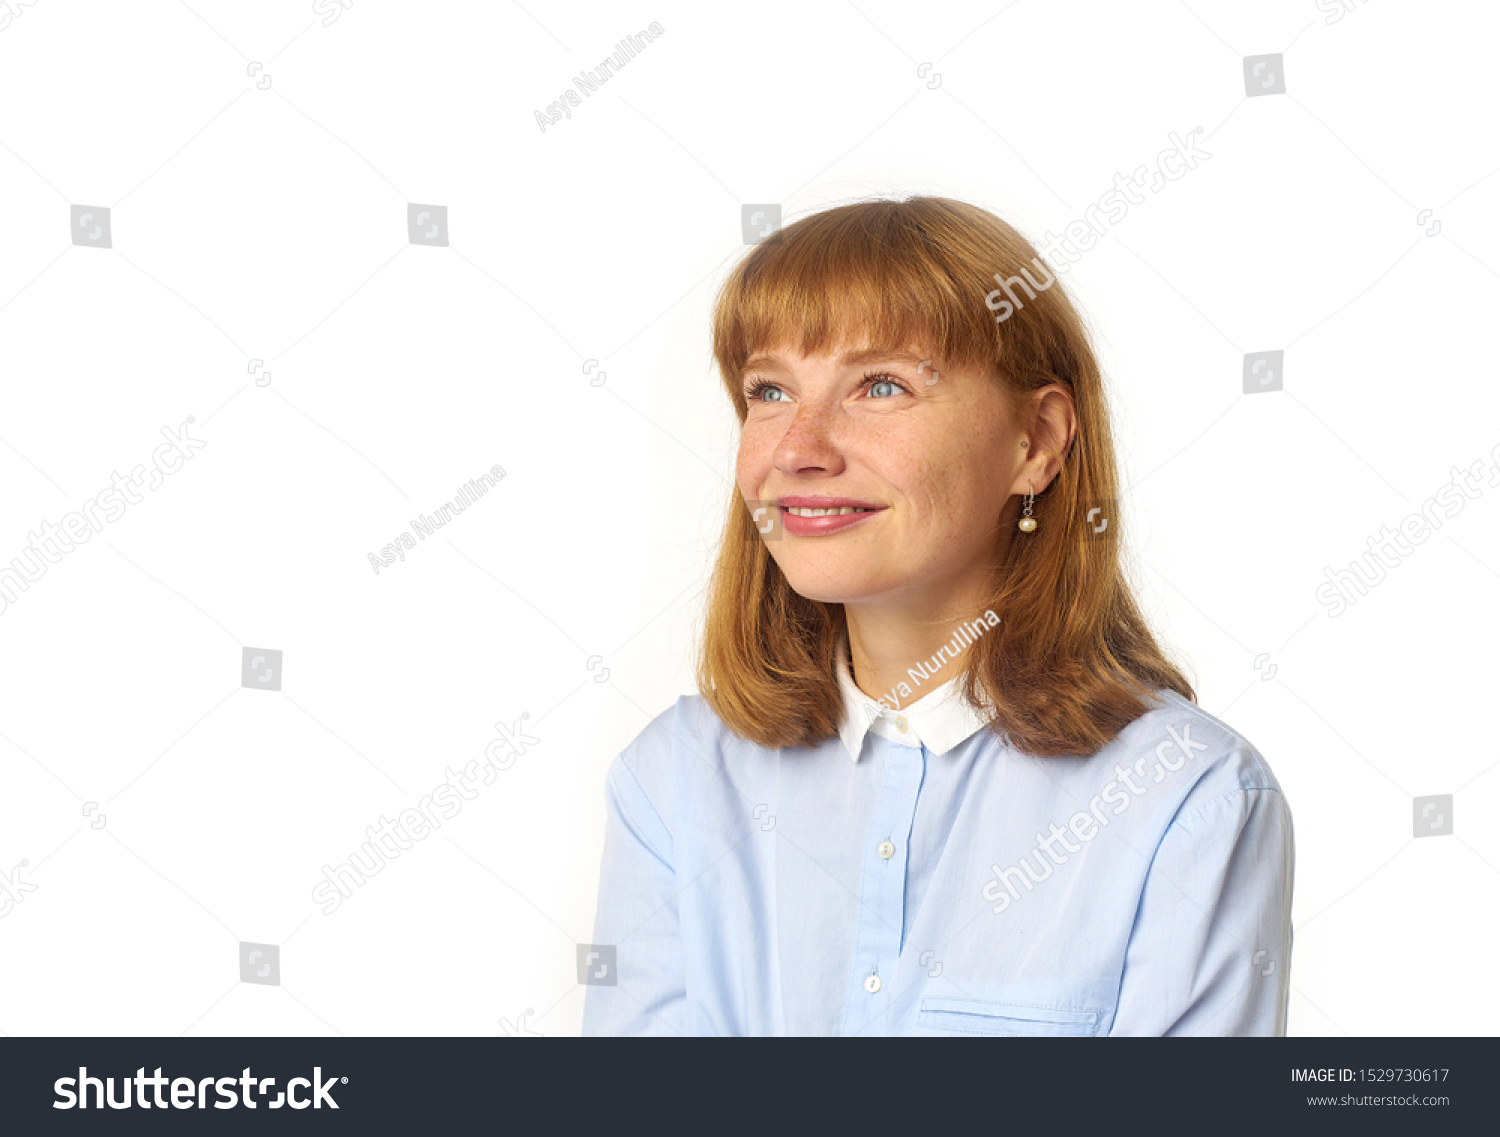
[901,723]
[872,984]
[887,850]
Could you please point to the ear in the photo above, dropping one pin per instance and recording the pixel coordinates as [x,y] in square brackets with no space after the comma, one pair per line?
[1053,425]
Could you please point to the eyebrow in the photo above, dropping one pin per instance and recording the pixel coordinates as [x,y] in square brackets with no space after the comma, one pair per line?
[848,359]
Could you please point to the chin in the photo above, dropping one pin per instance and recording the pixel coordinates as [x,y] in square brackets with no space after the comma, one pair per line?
[823,597]
[832,587]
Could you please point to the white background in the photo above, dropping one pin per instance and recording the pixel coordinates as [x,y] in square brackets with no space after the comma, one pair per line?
[270,224]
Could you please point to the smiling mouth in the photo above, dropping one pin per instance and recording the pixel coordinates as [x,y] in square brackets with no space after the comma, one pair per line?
[820,515]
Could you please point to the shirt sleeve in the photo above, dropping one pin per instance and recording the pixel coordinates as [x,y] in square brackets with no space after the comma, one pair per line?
[637,917]
[1210,950]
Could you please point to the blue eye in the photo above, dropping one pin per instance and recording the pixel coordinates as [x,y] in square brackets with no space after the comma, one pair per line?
[759,389]
[882,385]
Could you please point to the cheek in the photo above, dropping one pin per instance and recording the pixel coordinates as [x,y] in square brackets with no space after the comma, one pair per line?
[936,485]
[977,482]
[958,505]
[753,460]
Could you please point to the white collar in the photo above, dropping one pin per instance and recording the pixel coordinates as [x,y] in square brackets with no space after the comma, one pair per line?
[939,720]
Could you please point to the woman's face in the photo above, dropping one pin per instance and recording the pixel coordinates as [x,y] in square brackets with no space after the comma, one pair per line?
[931,456]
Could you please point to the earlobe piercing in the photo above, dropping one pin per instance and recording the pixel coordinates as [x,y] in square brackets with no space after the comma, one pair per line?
[1027,523]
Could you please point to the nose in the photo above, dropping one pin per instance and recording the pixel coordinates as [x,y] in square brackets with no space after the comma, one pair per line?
[809,446]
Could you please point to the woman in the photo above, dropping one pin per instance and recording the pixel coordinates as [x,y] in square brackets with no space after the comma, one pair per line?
[940,778]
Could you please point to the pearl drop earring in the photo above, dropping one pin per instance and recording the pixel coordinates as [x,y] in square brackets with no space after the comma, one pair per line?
[1027,524]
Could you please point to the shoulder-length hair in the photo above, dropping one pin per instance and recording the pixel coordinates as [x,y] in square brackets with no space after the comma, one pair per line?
[1072,661]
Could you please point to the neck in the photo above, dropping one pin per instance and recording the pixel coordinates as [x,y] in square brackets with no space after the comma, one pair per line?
[922,644]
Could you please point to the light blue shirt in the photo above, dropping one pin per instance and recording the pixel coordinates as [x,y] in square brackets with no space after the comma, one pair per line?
[917,876]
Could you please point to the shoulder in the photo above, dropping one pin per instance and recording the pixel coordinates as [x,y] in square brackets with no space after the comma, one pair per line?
[688,725]
[681,752]
[1223,768]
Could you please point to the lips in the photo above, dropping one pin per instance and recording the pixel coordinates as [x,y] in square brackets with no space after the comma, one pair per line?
[812,516]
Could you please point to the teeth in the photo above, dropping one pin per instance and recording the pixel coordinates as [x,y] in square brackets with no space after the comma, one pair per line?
[827,512]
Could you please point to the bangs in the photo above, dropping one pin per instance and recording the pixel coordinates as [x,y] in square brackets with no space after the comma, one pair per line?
[878,275]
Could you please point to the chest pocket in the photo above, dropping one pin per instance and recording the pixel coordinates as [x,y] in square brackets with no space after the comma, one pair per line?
[969,1016]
